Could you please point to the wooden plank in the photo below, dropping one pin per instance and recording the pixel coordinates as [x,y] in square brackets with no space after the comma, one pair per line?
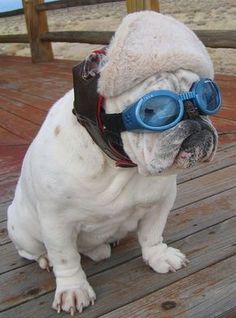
[14,38]
[227,112]
[217,38]
[3,211]
[38,102]
[139,5]
[229,314]
[205,294]
[152,5]
[181,223]
[3,233]
[8,138]
[12,65]
[200,215]
[227,138]
[18,61]
[205,186]
[224,125]
[29,113]
[28,282]
[36,23]
[7,186]
[22,128]
[44,84]
[92,37]
[114,286]
[211,38]
[11,158]
[11,258]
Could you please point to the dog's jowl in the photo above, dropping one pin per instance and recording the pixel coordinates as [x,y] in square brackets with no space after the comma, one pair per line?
[105,160]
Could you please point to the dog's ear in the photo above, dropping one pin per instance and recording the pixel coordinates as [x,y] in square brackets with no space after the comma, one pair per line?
[94,63]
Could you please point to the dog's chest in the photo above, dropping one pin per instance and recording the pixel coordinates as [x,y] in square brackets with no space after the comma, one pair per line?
[125,202]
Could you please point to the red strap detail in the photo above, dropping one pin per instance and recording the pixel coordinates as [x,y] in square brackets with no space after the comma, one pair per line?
[99,109]
[100,51]
[125,163]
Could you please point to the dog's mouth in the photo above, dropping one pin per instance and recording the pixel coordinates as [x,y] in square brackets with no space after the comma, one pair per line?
[185,145]
[198,147]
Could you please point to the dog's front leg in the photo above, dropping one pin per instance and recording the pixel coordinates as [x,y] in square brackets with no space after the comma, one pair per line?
[157,254]
[73,291]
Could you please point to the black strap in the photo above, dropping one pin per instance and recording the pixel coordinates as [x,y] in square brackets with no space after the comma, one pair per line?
[85,108]
[113,122]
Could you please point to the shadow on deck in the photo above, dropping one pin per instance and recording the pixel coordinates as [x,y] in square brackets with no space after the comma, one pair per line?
[202,222]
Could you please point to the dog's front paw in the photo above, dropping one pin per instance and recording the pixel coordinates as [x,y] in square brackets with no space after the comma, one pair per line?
[74,299]
[164,259]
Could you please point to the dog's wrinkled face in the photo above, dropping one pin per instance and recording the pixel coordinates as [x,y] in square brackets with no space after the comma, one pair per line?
[185,145]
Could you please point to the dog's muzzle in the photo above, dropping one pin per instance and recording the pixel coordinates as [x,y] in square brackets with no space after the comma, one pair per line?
[199,146]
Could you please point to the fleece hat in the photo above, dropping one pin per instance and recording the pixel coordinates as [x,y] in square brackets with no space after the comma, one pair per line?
[147,43]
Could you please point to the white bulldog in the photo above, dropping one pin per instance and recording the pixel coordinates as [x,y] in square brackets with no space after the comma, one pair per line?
[72,199]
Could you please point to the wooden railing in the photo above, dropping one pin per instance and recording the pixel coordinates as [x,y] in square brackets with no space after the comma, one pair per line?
[40,38]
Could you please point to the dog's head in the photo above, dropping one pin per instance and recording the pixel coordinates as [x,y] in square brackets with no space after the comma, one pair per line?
[152,52]
[188,143]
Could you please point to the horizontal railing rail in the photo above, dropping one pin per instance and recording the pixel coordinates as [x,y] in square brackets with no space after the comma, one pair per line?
[14,38]
[211,38]
[92,37]
[11,13]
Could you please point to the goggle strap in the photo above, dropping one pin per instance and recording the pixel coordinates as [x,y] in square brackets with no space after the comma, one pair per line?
[113,122]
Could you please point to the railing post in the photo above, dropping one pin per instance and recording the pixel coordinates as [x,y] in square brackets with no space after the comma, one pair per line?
[139,5]
[36,22]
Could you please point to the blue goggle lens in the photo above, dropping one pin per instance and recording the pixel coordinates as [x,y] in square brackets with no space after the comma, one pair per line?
[160,112]
[209,97]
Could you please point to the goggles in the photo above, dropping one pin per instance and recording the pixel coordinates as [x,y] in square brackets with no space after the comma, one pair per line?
[163,109]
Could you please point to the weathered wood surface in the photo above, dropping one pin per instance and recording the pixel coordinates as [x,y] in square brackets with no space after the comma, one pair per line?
[92,37]
[139,5]
[186,298]
[14,38]
[202,222]
[122,284]
[36,23]
[211,38]
[218,38]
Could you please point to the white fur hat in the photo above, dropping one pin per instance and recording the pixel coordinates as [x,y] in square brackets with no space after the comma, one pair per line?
[147,43]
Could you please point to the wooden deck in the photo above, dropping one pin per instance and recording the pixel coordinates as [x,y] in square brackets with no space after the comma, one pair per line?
[202,223]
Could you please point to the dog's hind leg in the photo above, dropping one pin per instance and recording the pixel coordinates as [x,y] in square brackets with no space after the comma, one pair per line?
[21,234]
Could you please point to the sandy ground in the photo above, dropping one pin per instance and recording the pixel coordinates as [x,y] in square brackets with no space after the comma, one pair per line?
[197,14]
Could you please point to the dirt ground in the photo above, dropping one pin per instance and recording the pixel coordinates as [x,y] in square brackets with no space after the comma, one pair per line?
[197,14]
